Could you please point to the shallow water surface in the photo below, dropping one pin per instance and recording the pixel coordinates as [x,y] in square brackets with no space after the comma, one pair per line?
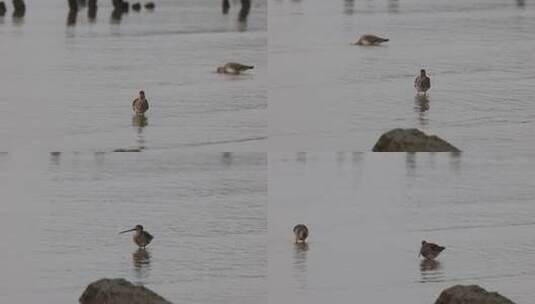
[368,212]
[326,94]
[61,216]
[70,88]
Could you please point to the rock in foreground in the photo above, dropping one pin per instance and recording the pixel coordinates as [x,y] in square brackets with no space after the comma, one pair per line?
[412,140]
[471,294]
[119,291]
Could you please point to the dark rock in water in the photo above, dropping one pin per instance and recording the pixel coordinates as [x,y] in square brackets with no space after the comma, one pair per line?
[127,150]
[3,9]
[411,140]
[471,294]
[136,6]
[150,5]
[20,8]
[119,291]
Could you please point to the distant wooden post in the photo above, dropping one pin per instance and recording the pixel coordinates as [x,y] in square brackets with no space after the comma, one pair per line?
[245,7]
[20,8]
[92,10]
[125,6]
[226,6]
[73,5]
[71,17]
[117,4]
[2,9]
[120,6]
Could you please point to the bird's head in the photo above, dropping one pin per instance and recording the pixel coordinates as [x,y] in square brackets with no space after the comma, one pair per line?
[137,229]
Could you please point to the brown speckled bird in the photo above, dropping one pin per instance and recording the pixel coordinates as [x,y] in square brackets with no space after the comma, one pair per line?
[142,238]
[422,83]
[140,105]
[234,68]
[430,251]
[370,39]
[301,233]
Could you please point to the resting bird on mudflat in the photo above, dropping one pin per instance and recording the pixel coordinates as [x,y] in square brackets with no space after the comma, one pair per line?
[301,233]
[234,68]
[422,83]
[140,105]
[142,238]
[430,251]
[370,39]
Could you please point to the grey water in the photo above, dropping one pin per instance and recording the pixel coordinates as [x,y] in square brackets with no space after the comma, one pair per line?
[368,213]
[70,87]
[61,214]
[328,95]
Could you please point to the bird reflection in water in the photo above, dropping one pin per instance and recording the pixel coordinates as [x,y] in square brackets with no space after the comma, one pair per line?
[300,263]
[430,271]
[357,157]
[301,157]
[139,122]
[92,11]
[141,260]
[226,157]
[393,6]
[455,161]
[244,13]
[225,6]
[349,7]
[116,16]
[421,106]
[55,159]
[410,160]
[71,17]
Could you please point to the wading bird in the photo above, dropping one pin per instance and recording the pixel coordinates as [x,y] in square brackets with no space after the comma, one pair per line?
[142,238]
[369,39]
[422,83]
[234,68]
[140,105]
[430,251]
[301,233]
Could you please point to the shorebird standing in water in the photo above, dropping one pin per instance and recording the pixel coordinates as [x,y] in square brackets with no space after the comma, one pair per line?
[142,238]
[140,105]
[422,83]
[234,68]
[369,39]
[301,233]
[430,251]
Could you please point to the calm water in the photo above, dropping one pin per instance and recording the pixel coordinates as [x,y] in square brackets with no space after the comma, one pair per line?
[368,213]
[71,88]
[61,215]
[326,94]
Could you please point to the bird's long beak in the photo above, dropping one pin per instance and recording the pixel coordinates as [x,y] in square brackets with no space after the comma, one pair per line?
[127,230]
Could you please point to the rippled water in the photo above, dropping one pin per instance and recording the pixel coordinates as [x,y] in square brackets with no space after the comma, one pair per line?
[61,215]
[367,214]
[70,88]
[326,94]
